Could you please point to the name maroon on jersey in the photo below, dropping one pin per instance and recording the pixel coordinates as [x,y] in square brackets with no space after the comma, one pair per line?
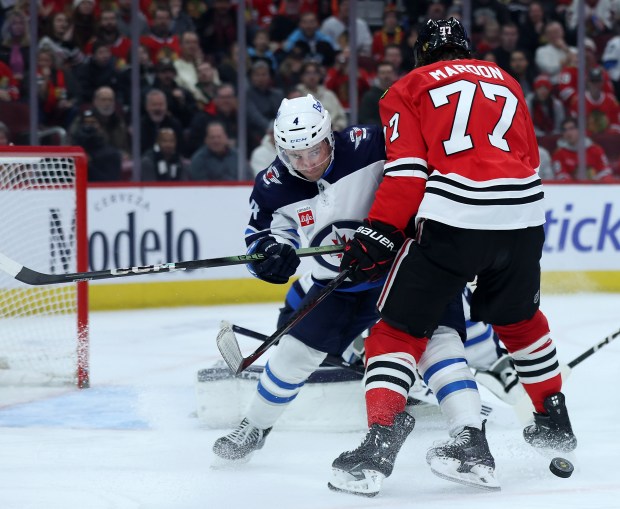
[461,149]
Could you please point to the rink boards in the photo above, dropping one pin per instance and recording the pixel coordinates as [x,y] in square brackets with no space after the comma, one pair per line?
[137,224]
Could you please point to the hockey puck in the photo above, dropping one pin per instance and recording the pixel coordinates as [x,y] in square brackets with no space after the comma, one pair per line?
[561,467]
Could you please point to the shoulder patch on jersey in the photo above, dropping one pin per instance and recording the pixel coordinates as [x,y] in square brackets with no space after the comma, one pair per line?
[357,134]
[306,216]
[272,175]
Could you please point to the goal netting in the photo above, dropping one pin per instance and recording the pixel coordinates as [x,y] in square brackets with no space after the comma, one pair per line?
[43,330]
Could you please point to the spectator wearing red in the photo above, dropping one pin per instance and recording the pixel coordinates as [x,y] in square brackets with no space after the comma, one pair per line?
[108,33]
[389,33]
[565,158]
[8,85]
[337,79]
[567,79]
[57,90]
[161,42]
[602,110]
[546,111]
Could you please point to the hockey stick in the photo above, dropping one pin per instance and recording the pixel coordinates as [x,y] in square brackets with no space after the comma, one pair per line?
[580,358]
[229,346]
[331,360]
[32,277]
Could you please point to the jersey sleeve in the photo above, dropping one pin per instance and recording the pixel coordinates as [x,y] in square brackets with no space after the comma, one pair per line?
[267,217]
[405,173]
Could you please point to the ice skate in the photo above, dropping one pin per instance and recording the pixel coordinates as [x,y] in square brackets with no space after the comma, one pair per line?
[362,471]
[238,446]
[552,431]
[465,459]
[502,380]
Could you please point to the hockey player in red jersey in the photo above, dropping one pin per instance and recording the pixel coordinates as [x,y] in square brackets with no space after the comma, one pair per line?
[462,162]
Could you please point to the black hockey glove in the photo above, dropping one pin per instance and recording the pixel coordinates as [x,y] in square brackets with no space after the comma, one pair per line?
[280,263]
[372,250]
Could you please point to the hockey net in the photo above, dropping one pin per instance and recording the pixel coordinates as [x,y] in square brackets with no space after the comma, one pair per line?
[44,330]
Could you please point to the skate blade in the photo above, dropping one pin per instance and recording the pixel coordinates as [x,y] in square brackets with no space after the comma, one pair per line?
[344,482]
[479,476]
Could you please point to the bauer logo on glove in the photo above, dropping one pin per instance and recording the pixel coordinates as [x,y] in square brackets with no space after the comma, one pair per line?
[381,239]
[372,250]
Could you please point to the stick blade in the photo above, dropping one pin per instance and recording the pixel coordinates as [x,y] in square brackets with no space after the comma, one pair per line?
[229,347]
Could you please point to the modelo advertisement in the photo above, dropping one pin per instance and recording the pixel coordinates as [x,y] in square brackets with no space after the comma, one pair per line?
[130,226]
[133,226]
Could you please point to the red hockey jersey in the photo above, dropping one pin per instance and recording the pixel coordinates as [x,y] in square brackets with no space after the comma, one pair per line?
[461,149]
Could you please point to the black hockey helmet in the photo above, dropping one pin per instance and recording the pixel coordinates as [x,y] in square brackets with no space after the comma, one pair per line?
[439,35]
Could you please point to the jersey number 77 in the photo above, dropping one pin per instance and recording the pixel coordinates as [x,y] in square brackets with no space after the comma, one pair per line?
[459,139]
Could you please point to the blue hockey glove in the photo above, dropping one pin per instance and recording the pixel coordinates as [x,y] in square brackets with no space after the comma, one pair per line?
[280,263]
[372,250]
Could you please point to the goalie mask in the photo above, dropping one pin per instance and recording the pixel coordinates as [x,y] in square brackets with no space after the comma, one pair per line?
[304,137]
[437,36]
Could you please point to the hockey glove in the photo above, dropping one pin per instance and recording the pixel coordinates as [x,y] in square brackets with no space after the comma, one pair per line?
[372,250]
[280,263]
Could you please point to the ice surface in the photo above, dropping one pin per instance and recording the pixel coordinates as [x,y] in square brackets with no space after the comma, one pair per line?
[132,441]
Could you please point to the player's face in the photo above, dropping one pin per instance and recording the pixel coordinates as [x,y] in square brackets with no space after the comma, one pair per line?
[311,162]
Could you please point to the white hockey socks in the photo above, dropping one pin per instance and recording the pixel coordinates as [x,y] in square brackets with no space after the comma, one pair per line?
[288,368]
[444,369]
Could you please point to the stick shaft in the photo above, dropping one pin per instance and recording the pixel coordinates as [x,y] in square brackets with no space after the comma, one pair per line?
[299,315]
[595,348]
[32,277]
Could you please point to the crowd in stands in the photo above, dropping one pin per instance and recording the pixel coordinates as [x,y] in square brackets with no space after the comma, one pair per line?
[188,61]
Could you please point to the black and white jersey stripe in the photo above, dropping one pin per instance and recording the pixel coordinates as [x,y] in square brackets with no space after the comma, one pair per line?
[496,204]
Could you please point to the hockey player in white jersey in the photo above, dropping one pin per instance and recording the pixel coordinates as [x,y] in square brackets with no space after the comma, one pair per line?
[320,187]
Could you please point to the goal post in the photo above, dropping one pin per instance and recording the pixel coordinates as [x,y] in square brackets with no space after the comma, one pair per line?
[44,337]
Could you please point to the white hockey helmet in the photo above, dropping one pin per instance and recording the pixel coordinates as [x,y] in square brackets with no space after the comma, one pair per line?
[301,123]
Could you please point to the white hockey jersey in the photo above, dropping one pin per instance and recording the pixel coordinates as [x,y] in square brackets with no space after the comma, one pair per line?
[302,213]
